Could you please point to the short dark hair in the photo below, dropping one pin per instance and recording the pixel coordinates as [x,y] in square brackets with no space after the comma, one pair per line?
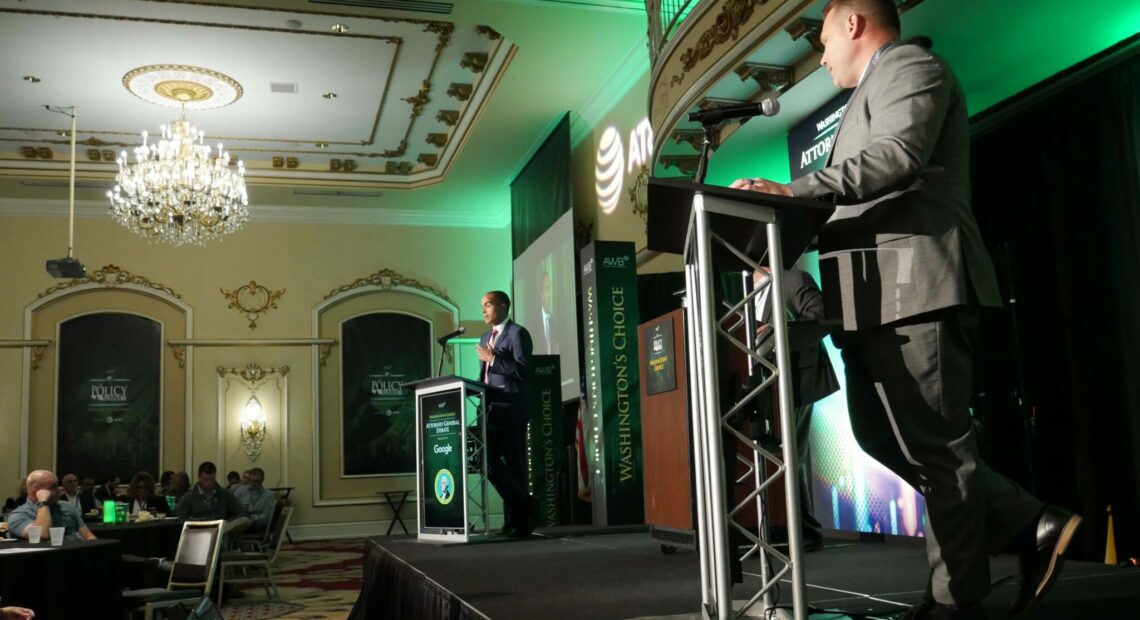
[257,471]
[881,12]
[208,467]
[500,297]
[232,475]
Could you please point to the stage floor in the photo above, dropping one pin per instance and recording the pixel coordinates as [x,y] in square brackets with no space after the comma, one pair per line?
[627,576]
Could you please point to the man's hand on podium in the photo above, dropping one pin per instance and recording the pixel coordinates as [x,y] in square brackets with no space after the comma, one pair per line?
[762,185]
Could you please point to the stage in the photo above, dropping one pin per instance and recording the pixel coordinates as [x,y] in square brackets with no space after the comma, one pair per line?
[625,575]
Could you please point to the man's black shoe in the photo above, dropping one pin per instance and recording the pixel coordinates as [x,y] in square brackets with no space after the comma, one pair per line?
[1041,560]
[927,609]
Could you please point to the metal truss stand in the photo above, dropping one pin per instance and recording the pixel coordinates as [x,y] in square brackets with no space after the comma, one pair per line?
[705,333]
[475,447]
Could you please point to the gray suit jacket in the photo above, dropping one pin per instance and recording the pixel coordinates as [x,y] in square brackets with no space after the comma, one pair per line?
[903,240]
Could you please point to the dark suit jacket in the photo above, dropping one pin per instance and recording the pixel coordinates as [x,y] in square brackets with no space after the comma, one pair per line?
[511,367]
[903,240]
[813,377]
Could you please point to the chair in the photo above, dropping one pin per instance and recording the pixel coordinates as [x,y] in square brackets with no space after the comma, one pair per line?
[192,572]
[255,566]
[261,542]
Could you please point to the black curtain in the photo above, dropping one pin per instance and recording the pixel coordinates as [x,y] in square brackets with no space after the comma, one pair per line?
[542,191]
[1057,195]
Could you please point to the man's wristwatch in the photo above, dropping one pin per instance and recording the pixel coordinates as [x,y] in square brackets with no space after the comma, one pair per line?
[40,504]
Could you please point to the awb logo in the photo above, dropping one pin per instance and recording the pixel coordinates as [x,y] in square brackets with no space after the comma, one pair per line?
[544,370]
[588,267]
[615,261]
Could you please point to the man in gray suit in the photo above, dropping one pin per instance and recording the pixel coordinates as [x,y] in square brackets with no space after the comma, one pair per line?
[903,263]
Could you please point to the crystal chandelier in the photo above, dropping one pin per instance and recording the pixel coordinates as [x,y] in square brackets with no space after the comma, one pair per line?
[179,190]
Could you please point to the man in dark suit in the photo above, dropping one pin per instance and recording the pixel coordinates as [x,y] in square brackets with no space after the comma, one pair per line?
[813,379]
[903,262]
[504,362]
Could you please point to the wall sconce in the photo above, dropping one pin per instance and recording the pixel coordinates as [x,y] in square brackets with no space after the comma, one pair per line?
[253,425]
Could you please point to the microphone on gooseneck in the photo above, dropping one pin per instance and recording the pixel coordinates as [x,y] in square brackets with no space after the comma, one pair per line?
[712,116]
[459,332]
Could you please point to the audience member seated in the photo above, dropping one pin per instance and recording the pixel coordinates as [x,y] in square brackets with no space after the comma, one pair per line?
[257,500]
[179,485]
[143,498]
[13,503]
[72,495]
[44,509]
[207,500]
[108,490]
[164,482]
[233,479]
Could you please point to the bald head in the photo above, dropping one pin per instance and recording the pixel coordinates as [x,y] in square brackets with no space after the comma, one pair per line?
[40,479]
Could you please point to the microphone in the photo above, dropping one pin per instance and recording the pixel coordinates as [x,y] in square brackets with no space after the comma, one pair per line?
[459,332]
[712,116]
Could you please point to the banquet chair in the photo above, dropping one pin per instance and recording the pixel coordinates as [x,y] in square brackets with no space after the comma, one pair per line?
[256,566]
[191,575]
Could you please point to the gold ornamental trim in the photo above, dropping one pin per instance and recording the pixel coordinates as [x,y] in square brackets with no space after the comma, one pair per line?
[111,276]
[253,299]
[182,90]
[732,15]
[386,279]
[252,373]
[184,84]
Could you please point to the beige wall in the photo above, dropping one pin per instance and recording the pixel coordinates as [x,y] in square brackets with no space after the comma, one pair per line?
[307,260]
[621,224]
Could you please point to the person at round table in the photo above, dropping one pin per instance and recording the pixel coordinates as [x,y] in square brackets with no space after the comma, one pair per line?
[44,509]
[143,498]
[179,485]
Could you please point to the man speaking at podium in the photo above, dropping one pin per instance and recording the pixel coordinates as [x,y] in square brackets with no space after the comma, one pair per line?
[504,362]
[903,258]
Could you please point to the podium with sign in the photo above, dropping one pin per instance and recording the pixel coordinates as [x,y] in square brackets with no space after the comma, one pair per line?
[451,459]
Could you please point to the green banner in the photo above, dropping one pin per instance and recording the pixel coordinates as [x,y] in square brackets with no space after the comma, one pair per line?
[109,395]
[547,447]
[613,416]
[442,449]
[379,352]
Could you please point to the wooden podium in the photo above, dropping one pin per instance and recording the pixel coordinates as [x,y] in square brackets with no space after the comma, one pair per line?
[736,229]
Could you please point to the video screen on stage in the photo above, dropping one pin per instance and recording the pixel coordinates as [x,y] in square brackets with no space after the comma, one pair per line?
[544,299]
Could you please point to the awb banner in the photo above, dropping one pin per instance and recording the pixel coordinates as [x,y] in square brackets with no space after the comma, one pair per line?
[613,418]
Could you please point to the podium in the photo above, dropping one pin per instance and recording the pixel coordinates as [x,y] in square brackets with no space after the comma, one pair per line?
[738,230]
[451,459]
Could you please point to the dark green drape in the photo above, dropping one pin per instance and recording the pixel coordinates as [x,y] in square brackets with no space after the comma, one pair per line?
[1057,195]
[541,192]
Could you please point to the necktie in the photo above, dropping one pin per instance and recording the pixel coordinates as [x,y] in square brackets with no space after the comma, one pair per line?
[487,368]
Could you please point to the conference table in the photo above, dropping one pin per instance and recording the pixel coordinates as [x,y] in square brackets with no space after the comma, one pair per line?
[79,579]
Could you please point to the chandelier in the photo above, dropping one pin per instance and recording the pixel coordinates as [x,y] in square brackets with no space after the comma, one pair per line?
[179,190]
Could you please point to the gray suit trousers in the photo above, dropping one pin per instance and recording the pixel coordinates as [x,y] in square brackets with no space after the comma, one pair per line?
[908,390]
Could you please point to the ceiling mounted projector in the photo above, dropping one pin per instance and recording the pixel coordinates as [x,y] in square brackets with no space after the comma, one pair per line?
[69,267]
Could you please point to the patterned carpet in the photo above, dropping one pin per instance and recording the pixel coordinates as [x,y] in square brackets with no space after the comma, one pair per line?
[318,580]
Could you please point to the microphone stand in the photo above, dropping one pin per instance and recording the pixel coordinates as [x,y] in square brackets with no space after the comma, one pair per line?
[442,352]
[708,145]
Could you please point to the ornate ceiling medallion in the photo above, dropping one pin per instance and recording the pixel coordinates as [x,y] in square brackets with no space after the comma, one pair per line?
[176,86]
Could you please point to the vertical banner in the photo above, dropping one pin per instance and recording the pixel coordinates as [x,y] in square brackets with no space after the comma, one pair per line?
[613,420]
[441,449]
[546,448]
[109,395]
[380,352]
